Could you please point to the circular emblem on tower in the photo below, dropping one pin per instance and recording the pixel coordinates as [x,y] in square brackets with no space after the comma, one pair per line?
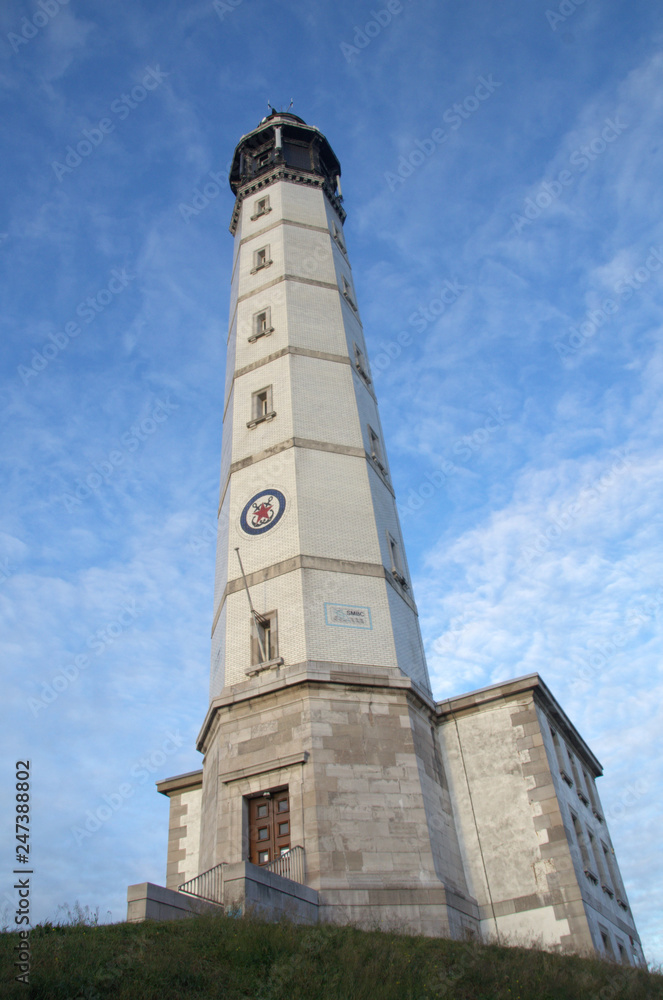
[262,512]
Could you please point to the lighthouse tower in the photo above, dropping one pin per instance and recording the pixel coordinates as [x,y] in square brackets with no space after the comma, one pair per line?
[320,731]
[333,787]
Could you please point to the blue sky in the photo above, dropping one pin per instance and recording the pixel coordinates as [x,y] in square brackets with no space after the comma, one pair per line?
[501,173]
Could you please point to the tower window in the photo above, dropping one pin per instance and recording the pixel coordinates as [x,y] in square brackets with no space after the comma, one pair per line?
[347,293]
[297,155]
[261,207]
[361,364]
[338,237]
[396,560]
[264,638]
[262,325]
[261,406]
[261,259]
[376,448]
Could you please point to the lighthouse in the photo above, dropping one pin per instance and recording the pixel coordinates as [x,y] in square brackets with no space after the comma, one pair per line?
[318,734]
[333,786]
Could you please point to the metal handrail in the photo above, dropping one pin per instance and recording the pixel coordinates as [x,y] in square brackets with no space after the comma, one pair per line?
[207,885]
[289,865]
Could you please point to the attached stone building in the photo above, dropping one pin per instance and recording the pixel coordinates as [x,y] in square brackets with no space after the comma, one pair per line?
[333,786]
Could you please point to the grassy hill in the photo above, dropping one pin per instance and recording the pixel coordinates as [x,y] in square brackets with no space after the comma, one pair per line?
[244,959]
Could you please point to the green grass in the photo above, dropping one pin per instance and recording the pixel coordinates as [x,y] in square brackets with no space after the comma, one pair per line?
[243,958]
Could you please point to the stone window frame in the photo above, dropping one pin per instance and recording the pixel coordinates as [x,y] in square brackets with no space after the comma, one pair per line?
[361,363]
[584,848]
[346,291]
[337,237]
[272,651]
[262,406]
[615,874]
[261,206]
[576,777]
[261,258]
[396,559]
[376,450]
[607,941]
[559,754]
[599,860]
[593,795]
[261,324]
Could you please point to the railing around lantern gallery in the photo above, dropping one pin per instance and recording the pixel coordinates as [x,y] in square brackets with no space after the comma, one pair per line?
[207,885]
[289,865]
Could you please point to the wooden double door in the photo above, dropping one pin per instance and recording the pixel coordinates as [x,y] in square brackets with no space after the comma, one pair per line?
[269,826]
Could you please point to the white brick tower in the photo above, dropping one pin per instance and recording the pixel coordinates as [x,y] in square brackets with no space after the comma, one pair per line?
[319,684]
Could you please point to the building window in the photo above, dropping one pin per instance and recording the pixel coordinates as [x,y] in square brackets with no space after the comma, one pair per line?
[607,943]
[584,853]
[338,237]
[579,786]
[599,860]
[262,325]
[261,259]
[261,207]
[615,878]
[347,293]
[396,560]
[561,760]
[593,797]
[361,364]
[376,448]
[264,638]
[261,406]
[623,956]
